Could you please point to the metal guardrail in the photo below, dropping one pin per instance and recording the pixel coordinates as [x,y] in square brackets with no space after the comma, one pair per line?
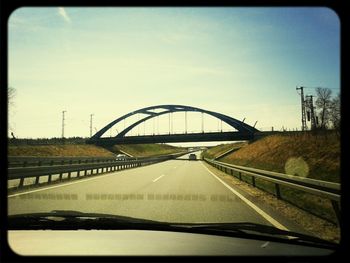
[320,188]
[21,161]
[47,170]
[27,161]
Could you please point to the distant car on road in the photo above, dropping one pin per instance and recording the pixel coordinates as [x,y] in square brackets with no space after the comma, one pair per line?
[192,156]
[121,157]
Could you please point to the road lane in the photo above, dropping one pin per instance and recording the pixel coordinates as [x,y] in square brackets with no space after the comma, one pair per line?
[173,191]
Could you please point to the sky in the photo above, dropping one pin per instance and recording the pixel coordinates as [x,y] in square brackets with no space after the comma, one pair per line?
[243,62]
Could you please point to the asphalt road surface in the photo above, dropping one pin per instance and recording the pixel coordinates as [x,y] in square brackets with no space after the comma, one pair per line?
[171,191]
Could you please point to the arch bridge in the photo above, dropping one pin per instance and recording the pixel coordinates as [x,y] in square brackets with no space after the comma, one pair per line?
[243,130]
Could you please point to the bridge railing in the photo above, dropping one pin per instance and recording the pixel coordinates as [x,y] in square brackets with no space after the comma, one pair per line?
[328,190]
[82,169]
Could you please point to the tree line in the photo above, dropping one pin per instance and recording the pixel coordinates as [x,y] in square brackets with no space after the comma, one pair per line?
[328,110]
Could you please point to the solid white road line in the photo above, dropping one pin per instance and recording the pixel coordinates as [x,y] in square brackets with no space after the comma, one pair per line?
[65,184]
[273,221]
[62,185]
[155,180]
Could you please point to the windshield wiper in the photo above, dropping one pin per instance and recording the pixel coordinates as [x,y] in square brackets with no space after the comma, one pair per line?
[70,219]
[74,220]
[262,231]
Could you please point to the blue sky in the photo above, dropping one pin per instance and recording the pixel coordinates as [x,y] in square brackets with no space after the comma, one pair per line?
[242,62]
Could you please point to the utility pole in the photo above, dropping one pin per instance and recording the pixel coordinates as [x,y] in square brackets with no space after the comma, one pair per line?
[91,124]
[310,105]
[138,126]
[303,118]
[63,112]
[172,123]
[169,121]
[202,124]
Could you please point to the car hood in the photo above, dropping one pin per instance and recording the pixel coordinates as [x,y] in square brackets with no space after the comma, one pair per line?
[146,243]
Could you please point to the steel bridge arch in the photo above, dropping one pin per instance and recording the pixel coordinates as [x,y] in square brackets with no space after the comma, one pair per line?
[238,125]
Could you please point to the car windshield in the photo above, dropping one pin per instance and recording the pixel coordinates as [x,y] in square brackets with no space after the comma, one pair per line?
[177,115]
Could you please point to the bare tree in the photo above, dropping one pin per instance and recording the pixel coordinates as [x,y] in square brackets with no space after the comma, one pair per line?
[335,112]
[11,92]
[323,104]
[10,95]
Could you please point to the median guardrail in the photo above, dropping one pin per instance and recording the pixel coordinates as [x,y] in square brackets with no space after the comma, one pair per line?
[25,161]
[81,169]
[328,190]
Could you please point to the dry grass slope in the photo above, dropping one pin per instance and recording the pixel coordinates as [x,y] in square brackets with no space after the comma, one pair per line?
[143,150]
[303,154]
[320,153]
[221,148]
[137,150]
[59,151]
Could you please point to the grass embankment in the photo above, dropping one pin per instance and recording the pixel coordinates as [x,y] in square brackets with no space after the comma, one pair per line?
[302,154]
[144,150]
[313,156]
[59,151]
[217,150]
[136,150]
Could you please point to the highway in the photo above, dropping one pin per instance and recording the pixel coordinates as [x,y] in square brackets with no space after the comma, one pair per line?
[171,191]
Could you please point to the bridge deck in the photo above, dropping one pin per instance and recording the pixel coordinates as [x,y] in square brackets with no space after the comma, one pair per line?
[166,138]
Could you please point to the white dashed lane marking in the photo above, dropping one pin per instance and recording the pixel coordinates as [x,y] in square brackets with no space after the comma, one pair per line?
[155,180]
